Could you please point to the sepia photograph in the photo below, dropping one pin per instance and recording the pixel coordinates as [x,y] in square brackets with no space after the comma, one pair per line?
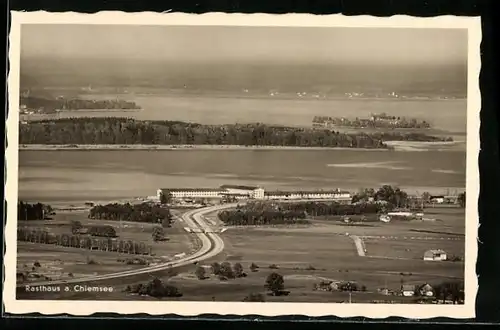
[257,164]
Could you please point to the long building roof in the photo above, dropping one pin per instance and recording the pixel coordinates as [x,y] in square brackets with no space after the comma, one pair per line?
[229,186]
[435,251]
[192,189]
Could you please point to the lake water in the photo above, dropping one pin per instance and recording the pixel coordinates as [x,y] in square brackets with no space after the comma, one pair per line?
[78,175]
[447,115]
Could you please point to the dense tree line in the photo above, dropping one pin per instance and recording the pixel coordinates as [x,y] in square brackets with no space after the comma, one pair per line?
[38,211]
[317,208]
[51,105]
[266,217]
[129,131]
[394,196]
[227,270]
[450,290]
[143,212]
[414,136]
[268,213]
[82,241]
[102,231]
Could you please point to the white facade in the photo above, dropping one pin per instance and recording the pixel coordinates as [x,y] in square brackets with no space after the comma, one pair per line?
[242,192]
[194,193]
[435,255]
[258,193]
[197,194]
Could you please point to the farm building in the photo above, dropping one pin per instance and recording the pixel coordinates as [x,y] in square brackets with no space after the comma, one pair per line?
[408,290]
[435,255]
[437,199]
[426,290]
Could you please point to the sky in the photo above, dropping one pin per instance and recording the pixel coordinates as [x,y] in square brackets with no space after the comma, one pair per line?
[205,44]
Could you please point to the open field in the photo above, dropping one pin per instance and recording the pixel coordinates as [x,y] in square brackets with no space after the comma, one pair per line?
[307,255]
[58,262]
[333,255]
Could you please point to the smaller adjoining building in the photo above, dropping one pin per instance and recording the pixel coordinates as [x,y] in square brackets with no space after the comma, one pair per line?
[437,199]
[426,290]
[435,255]
[181,193]
[408,290]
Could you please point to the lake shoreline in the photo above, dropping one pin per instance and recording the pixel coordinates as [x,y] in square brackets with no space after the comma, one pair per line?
[392,146]
[54,147]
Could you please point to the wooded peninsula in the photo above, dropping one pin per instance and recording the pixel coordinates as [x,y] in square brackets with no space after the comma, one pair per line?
[44,105]
[125,131]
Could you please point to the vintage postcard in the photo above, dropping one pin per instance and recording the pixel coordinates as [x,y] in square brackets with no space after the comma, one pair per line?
[242,164]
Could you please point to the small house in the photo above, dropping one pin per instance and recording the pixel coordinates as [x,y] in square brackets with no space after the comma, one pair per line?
[408,290]
[437,199]
[426,290]
[435,255]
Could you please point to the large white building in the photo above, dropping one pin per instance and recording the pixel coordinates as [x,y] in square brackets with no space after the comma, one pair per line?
[181,193]
[250,192]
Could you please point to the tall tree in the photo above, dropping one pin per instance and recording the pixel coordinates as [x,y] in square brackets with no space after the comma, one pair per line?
[200,273]
[275,283]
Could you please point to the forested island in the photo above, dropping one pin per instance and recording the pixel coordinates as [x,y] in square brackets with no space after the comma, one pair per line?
[124,131]
[46,105]
[375,121]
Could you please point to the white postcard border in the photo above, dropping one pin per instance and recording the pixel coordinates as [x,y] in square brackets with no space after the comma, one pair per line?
[375,311]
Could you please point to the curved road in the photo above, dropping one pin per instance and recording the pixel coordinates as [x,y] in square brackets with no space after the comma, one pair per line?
[212,245]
